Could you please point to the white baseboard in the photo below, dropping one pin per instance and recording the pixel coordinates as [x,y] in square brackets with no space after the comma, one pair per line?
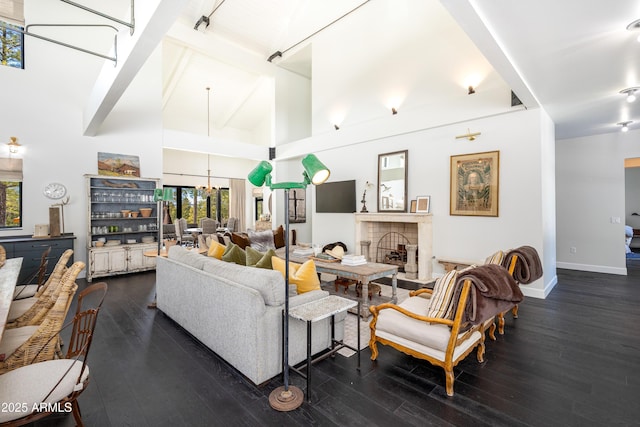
[592,268]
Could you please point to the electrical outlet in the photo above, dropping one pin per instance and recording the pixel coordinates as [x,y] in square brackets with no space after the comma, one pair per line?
[573,249]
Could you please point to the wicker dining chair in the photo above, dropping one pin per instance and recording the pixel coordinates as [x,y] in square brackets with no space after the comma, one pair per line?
[31,311]
[34,309]
[29,288]
[59,382]
[31,344]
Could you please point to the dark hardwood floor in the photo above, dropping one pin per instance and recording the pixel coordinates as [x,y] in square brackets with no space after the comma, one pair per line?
[572,359]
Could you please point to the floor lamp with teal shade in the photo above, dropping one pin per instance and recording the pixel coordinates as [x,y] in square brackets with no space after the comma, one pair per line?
[288,398]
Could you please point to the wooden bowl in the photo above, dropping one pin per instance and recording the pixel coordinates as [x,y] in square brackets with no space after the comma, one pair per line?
[135,214]
[145,212]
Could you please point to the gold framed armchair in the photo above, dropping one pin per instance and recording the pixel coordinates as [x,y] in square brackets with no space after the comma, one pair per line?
[410,327]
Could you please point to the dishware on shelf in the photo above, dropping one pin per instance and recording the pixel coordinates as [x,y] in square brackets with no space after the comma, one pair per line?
[147,239]
[146,212]
[125,213]
[135,214]
[131,241]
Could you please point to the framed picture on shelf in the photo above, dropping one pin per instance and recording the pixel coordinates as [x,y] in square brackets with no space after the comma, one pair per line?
[474,184]
[413,206]
[423,204]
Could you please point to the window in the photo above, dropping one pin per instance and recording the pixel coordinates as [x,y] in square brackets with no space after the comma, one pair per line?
[10,193]
[11,45]
[10,204]
[193,204]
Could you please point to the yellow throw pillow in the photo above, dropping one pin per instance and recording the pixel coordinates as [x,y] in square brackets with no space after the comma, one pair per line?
[304,276]
[216,249]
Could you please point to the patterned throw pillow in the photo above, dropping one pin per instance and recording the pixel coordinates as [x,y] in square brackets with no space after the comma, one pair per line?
[496,258]
[441,302]
[304,276]
[216,250]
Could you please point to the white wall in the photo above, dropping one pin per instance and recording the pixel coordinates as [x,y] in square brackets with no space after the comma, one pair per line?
[45,113]
[526,200]
[590,185]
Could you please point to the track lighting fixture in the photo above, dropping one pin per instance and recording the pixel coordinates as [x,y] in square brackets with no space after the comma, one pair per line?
[625,125]
[203,20]
[630,92]
[337,127]
[471,90]
[394,111]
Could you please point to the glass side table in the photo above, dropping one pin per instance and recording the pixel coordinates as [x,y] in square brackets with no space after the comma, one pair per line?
[317,310]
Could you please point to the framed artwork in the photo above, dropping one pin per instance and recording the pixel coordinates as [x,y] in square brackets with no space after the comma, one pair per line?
[423,204]
[474,184]
[118,165]
[413,206]
[297,205]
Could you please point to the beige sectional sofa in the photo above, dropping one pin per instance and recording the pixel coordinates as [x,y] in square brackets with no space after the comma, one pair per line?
[236,311]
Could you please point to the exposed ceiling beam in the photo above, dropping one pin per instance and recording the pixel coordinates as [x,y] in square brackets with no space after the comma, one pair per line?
[472,23]
[152,23]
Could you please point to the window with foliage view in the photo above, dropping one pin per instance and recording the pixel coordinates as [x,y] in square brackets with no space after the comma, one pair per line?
[11,45]
[10,204]
[194,204]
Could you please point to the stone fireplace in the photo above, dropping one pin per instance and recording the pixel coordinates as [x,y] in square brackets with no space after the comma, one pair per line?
[415,227]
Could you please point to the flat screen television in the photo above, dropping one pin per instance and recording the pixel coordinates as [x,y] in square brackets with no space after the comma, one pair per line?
[336,197]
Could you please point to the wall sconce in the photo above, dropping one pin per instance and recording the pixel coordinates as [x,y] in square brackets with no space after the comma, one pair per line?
[630,92]
[625,125]
[394,111]
[13,144]
[634,26]
[471,90]
[336,127]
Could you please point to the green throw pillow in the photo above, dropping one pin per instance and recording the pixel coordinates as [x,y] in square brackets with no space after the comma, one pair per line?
[265,261]
[253,256]
[235,254]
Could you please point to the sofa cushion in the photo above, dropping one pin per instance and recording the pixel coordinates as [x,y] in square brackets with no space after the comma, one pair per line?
[261,240]
[269,283]
[186,256]
[304,276]
[215,249]
[236,255]
[441,302]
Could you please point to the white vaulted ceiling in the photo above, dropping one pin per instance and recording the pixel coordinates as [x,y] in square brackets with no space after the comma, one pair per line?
[571,57]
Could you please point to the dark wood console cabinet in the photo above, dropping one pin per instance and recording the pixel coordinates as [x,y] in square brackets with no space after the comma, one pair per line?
[31,248]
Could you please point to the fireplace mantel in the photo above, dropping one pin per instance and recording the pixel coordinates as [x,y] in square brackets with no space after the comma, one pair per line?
[410,218]
[365,222]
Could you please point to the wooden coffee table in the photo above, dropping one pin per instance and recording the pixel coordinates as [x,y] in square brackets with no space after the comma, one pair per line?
[360,273]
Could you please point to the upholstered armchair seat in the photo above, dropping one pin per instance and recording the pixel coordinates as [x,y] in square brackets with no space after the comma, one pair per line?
[423,337]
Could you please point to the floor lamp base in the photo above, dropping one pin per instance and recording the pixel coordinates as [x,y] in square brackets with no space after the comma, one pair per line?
[286,400]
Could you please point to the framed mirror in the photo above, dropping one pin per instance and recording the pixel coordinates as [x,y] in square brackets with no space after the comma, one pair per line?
[392,181]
